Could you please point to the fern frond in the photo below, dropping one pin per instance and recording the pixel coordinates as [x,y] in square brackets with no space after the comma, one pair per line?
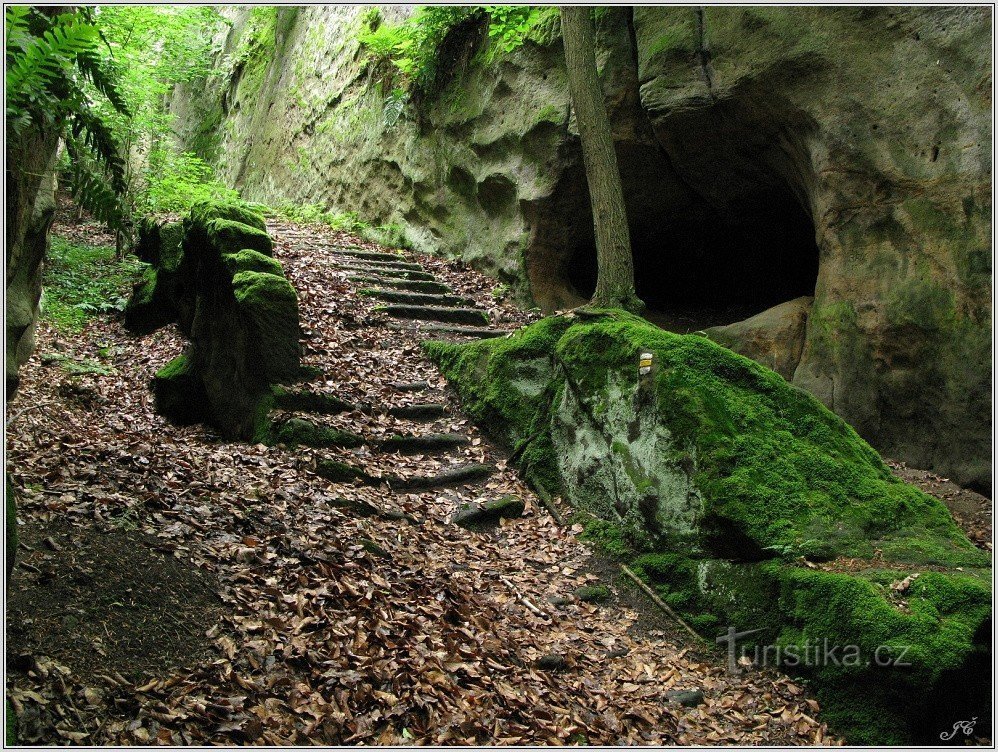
[95,133]
[94,69]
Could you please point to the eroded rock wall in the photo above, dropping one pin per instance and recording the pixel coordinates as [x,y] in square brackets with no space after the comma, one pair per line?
[870,126]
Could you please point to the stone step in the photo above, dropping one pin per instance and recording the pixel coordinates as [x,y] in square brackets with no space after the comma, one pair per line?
[416,298]
[463,331]
[431,442]
[435,313]
[389,273]
[456,476]
[313,402]
[297,432]
[413,386]
[411,285]
[402,265]
[366,255]
[429,411]
[340,472]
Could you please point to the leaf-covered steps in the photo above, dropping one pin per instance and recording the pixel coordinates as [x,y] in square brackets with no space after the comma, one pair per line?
[412,285]
[403,274]
[366,255]
[428,411]
[431,442]
[405,266]
[340,472]
[416,298]
[443,315]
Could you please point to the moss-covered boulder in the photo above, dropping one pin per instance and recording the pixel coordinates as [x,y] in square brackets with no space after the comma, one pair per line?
[248,260]
[153,303]
[742,498]
[214,275]
[234,211]
[228,237]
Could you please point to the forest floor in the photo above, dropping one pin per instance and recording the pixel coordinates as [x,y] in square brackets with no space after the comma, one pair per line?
[174,588]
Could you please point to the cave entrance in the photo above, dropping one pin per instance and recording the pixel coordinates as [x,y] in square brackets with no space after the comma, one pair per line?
[719,217]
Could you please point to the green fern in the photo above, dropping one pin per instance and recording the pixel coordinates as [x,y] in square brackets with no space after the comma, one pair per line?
[48,56]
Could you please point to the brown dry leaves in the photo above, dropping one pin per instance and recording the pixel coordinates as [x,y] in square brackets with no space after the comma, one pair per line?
[323,642]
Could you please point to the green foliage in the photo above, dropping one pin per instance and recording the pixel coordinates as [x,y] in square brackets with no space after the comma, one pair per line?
[415,46]
[315,214]
[81,281]
[58,79]
[177,181]
[394,104]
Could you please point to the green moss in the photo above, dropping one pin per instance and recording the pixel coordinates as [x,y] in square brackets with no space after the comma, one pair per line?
[297,431]
[171,246]
[229,237]
[593,594]
[781,478]
[608,537]
[248,260]
[233,211]
[270,305]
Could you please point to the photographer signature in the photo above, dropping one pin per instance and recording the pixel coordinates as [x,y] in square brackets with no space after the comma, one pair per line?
[967,727]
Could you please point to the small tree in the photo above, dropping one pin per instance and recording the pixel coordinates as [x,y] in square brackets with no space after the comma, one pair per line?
[615,267]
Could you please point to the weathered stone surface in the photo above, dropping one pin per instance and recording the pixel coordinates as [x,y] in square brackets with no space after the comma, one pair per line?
[872,125]
[30,209]
[473,514]
[774,337]
[718,480]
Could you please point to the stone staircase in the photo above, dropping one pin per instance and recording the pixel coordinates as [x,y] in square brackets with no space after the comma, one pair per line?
[411,299]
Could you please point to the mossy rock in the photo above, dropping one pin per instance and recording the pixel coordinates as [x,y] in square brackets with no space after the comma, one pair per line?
[270,304]
[248,260]
[229,237]
[717,457]
[234,211]
[171,248]
[151,305]
[159,243]
[179,392]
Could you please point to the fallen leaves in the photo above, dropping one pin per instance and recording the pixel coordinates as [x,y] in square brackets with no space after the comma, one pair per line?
[339,627]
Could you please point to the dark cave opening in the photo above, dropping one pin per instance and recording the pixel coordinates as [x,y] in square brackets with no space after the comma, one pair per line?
[703,267]
[719,215]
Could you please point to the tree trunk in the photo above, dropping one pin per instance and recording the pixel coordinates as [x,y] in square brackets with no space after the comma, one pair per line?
[615,267]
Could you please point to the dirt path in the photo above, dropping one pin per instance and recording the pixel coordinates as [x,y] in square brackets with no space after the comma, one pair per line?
[289,609]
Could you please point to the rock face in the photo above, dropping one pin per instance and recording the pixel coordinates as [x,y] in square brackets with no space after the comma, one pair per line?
[774,337]
[730,489]
[214,276]
[30,209]
[766,154]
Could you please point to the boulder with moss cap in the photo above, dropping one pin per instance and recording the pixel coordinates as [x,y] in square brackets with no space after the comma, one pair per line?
[722,485]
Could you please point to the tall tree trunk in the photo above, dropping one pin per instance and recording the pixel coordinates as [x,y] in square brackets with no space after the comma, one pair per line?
[615,275]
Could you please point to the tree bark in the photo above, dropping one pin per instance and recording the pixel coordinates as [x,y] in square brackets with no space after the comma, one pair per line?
[615,267]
